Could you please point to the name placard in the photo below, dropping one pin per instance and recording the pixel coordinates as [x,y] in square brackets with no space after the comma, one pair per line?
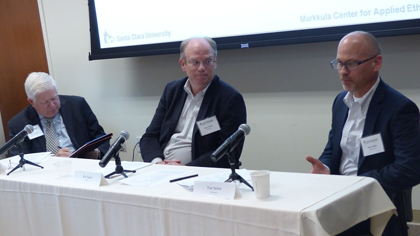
[215,189]
[36,133]
[372,145]
[89,178]
[208,126]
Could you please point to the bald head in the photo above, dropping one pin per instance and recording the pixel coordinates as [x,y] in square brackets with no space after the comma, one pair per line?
[364,42]
[362,51]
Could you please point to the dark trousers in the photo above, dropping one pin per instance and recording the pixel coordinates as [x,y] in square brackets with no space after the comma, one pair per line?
[394,228]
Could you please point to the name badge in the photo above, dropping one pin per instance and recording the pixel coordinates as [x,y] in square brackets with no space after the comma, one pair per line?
[36,133]
[208,126]
[224,190]
[372,145]
[89,178]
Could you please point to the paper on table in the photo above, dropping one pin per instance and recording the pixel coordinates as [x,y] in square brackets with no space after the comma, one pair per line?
[12,162]
[32,157]
[153,178]
[219,177]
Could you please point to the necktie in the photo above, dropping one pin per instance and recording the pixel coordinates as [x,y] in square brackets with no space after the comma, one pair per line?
[51,138]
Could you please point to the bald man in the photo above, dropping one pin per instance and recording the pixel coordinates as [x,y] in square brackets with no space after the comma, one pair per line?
[371,112]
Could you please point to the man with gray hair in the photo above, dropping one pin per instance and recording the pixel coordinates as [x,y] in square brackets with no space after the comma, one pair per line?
[62,124]
[195,114]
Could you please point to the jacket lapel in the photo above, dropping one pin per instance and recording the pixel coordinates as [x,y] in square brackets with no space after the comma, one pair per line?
[341,113]
[372,115]
[208,97]
[67,115]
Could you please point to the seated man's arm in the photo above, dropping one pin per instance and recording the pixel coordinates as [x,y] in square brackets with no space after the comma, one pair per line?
[150,147]
[327,155]
[398,167]
[331,162]
[95,130]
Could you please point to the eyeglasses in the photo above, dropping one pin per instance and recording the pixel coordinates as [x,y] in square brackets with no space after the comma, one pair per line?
[196,63]
[350,65]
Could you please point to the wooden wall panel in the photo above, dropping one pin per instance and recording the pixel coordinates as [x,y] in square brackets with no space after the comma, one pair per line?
[22,51]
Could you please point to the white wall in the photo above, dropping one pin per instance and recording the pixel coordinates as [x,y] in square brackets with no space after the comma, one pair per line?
[288,90]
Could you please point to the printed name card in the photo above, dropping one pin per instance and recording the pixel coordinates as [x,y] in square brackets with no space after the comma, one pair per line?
[37,132]
[208,126]
[89,178]
[372,145]
[215,189]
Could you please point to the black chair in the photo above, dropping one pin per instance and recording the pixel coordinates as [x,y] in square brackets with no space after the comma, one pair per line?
[408,207]
[405,214]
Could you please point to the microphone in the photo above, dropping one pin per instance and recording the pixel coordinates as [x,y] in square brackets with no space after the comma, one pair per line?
[114,149]
[17,139]
[231,142]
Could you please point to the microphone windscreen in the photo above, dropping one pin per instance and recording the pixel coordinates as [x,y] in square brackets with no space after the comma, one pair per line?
[245,128]
[29,129]
[125,134]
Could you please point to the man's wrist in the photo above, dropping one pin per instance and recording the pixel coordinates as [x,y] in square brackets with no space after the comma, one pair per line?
[156,160]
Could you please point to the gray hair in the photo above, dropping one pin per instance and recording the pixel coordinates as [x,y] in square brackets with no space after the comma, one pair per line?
[184,45]
[38,82]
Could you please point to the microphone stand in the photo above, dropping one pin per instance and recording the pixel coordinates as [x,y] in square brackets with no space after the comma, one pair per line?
[118,168]
[23,161]
[234,176]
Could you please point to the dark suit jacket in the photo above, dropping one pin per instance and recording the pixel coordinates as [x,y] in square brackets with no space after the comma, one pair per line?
[396,118]
[81,125]
[220,100]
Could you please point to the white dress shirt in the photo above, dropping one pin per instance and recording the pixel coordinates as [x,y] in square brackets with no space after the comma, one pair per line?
[179,146]
[353,130]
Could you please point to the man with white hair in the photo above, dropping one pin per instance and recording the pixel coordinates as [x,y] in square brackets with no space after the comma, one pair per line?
[62,124]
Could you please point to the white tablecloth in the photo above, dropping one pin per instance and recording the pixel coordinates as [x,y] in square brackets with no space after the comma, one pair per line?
[37,202]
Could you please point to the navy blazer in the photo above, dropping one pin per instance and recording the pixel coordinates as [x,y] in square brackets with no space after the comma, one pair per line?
[81,124]
[220,100]
[396,118]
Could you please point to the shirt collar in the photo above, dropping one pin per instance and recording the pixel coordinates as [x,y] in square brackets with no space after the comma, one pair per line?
[187,88]
[54,119]
[349,99]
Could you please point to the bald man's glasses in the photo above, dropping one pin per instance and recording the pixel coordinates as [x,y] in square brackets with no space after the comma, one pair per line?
[350,65]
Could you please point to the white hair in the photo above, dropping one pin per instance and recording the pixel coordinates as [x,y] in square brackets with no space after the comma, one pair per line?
[38,82]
